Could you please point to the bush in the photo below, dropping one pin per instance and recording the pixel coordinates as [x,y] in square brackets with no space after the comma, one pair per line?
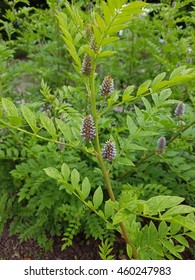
[112,149]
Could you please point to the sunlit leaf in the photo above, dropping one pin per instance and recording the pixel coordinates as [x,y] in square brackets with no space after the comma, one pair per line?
[98,197]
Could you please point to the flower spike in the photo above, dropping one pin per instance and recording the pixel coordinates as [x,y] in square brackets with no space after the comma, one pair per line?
[107,86]
[88,128]
[86,65]
[180,109]
[161,144]
[109,150]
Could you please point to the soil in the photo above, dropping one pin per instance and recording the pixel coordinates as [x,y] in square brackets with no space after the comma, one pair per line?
[82,249]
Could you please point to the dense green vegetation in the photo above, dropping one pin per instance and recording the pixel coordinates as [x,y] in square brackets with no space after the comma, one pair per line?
[97,124]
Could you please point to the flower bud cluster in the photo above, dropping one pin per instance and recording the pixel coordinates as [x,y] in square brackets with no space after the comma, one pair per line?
[109,150]
[89,31]
[161,144]
[86,65]
[107,86]
[93,45]
[180,109]
[88,128]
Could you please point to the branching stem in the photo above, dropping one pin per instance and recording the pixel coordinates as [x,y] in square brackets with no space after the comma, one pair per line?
[100,159]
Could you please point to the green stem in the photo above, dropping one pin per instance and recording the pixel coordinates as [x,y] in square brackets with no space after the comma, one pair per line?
[35,135]
[100,159]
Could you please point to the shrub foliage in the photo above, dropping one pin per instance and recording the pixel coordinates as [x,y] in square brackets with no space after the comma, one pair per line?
[104,144]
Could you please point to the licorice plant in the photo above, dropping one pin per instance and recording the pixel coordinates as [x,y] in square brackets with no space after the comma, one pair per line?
[88,40]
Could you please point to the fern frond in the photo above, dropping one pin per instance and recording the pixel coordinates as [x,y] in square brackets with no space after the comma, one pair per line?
[94,226]
[3,214]
[105,250]
[72,229]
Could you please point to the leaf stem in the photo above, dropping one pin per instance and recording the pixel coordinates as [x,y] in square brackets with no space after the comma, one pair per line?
[35,135]
[143,159]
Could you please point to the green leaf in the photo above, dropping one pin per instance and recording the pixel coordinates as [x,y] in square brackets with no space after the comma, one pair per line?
[147,104]
[48,125]
[142,207]
[127,93]
[86,188]
[134,8]
[129,251]
[86,49]
[75,15]
[155,98]
[16,121]
[77,38]
[121,216]
[140,116]
[53,173]
[191,235]
[97,34]
[111,5]
[143,87]
[184,222]
[75,177]
[101,23]
[135,147]
[131,125]
[174,228]
[30,118]
[62,18]
[179,209]
[125,161]
[106,53]
[169,245]
[72,50]
[152,232]
[160,85]
[9,107]
[163,229]
[114,97]
[122,21]
[115,29]
[182,240]
[65,129]
[68,187]
[160,99]
[180,79]
[109,40]
[109,208]
[147,133]
[98,197]
[157,247]
[177,71]
[159,78]
[65,170]
[160,203]
[23,195]
[107,13]
[164,94]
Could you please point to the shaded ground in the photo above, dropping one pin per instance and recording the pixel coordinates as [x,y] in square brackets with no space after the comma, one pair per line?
[82,249]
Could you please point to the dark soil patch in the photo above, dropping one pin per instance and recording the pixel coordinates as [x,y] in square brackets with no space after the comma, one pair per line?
[82,249]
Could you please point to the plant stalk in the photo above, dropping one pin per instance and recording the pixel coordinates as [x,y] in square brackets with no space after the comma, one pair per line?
[101,161]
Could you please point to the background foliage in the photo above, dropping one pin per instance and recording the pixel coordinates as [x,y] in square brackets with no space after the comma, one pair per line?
[43,100]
